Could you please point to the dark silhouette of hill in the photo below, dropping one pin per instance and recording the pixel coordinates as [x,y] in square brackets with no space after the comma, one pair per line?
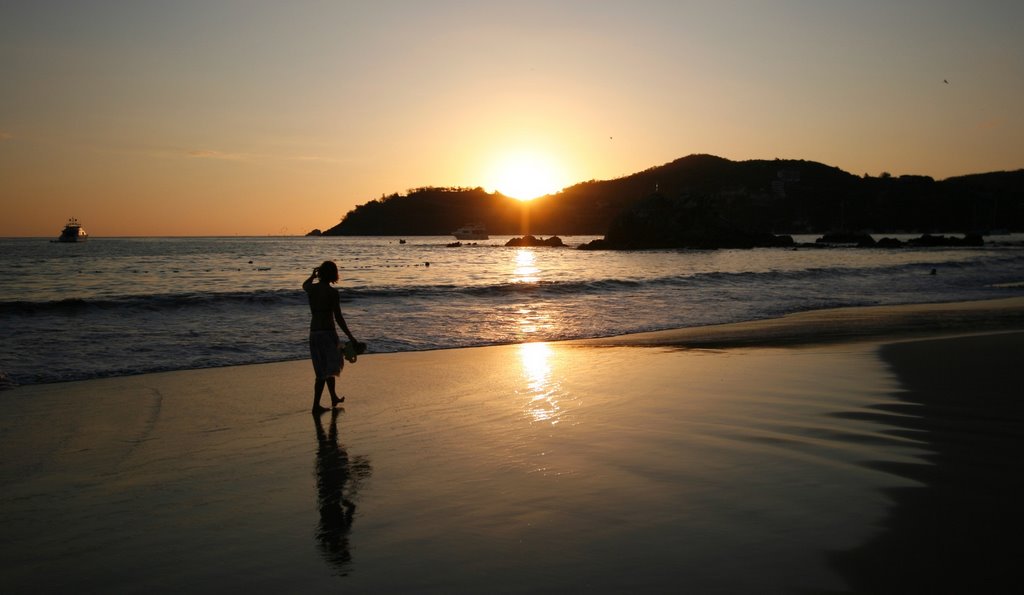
[756,197]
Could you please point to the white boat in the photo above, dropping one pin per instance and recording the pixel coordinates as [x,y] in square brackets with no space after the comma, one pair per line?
[73,232]
[471,231]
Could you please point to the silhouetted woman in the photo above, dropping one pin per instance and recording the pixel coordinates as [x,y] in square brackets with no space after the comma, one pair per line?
[324,344]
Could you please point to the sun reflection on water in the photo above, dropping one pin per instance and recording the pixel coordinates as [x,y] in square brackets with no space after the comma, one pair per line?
[542,390]
[533,319]
[525,270]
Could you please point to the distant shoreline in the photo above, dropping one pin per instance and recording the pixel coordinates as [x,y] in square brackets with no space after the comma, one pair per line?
[1013,238]
[701,193]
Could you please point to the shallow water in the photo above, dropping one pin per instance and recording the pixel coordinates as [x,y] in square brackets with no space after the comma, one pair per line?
[119,306]
[538,467]
[637,470]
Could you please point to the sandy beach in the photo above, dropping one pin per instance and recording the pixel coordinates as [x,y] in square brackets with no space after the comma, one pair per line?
[860,450]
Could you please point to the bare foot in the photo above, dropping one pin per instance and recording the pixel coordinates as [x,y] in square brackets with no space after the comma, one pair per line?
[318,409]
[335,401]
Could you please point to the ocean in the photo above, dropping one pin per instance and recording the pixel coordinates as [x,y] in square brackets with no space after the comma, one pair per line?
[120,306]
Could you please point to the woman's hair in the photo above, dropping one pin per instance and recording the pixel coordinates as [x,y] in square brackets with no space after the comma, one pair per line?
[328,272]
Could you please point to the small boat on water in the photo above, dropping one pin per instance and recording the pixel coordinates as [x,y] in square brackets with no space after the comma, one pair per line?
[471,231]
[73,232]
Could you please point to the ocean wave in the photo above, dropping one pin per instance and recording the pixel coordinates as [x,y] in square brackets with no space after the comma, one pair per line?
[153,302]
[577,287]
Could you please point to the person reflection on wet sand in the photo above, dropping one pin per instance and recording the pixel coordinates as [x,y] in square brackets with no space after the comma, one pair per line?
[337,481]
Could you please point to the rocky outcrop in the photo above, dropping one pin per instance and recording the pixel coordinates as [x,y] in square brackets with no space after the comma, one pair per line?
[529,240]
[971,239]
[863,240]
[859,239]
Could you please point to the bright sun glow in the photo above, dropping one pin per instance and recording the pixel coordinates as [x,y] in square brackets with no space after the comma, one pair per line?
[525,176]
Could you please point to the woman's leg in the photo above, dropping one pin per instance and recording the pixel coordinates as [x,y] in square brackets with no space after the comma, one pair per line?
[318,390]
[335,399]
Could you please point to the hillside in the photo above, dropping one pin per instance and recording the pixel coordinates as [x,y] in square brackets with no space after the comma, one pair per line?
[780,196]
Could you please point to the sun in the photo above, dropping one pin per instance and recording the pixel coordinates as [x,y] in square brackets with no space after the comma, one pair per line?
[524,176]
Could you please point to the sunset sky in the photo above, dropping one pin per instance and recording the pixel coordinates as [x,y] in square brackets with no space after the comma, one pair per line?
[213,117]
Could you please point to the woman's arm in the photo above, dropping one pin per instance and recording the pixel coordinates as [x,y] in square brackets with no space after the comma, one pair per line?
[341,322]
[308,283]
[336,312]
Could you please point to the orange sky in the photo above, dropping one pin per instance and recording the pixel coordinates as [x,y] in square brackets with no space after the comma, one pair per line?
[254,118]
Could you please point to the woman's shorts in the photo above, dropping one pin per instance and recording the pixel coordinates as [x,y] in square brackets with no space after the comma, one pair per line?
[325,351]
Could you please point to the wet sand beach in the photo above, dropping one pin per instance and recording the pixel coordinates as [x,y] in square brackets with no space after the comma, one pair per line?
[956,532]
[851,451]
